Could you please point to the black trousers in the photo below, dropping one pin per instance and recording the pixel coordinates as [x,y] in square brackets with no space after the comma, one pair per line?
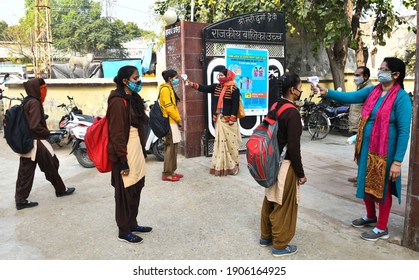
[127,201]
[47,163]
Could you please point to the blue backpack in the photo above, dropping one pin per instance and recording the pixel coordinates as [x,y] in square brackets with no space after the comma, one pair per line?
[16,129]
[262,150]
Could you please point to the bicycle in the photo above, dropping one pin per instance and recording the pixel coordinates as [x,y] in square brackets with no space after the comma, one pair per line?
[2,107]
[318,124]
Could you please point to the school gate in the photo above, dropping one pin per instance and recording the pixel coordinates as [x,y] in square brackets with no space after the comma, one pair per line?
[198,50]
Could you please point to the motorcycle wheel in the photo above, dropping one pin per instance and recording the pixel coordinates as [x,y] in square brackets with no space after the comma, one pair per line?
[158,149]
[318,125]
[84,159]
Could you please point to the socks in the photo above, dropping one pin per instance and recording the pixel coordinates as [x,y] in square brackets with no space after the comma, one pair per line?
[376,230]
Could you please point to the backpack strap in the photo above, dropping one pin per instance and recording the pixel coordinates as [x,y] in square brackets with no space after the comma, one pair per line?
[158,97]
[279,111]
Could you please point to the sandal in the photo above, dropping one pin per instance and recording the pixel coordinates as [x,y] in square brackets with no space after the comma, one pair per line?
[170,178]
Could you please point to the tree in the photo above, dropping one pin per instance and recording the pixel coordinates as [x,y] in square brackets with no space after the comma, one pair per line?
[77,28]
[3,26]
[215,10]
[333,24]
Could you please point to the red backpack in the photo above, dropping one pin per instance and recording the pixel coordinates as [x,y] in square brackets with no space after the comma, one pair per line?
[262,150]
[96,140]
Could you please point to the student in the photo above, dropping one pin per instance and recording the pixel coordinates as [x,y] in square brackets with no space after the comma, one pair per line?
[280,204]
[168,100]
[127,118]
[42,153]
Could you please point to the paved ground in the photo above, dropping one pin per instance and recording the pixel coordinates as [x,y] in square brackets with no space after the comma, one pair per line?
[199,218]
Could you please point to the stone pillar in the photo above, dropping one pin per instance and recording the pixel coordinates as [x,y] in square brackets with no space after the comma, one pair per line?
[183,54]
[411,221]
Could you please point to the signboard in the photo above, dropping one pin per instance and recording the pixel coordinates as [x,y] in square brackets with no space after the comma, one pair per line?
[251,68]
[255,28]
[111,67]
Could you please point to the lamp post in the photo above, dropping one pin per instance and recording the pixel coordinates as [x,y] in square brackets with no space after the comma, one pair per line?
[170,17]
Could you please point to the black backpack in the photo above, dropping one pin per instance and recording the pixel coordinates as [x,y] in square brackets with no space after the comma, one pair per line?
[158,124]
[16,129]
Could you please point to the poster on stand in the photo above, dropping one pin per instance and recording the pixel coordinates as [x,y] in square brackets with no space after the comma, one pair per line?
[251,68]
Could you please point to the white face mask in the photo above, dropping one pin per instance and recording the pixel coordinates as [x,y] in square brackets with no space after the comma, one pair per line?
[358,80]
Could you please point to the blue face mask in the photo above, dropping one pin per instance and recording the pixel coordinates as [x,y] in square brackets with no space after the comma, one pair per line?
[175,81]
[135,87]
[384,77]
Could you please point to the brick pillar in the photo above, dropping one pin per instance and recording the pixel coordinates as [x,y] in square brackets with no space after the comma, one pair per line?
[411,221]
[183,54]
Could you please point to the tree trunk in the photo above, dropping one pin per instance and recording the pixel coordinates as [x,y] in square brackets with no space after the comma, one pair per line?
[361,52]
[337,55]
[338,52]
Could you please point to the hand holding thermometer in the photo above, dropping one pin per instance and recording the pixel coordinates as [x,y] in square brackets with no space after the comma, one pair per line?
[185,77]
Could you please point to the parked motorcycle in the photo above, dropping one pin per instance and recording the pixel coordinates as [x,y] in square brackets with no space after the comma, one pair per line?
[306,109]
[154,145]
[78,147]
[326,116]
[57,136]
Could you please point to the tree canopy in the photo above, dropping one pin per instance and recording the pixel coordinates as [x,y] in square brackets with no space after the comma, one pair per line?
[77,28]
[332,24]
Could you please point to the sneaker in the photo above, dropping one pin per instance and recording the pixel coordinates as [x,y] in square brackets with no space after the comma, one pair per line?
[372,236]
[142,229]
[131,238]
[361,222]
[265,242]
[67,192]
[287,251]
[26,204]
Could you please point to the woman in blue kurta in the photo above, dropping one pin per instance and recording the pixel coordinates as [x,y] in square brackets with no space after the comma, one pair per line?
[382,140]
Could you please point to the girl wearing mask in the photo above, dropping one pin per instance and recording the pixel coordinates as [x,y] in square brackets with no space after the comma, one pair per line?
[280,204]
[168,100]
[382,140]
[127,117]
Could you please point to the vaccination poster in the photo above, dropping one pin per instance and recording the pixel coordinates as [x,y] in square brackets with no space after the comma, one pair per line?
[251,68]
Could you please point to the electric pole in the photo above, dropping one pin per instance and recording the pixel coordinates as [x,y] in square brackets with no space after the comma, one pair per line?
[43,39]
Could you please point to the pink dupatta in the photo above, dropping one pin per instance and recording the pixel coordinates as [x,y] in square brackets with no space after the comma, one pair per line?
[378,146]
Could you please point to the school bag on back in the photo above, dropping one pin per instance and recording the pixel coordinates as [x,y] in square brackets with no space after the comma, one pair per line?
[96,141]
[159,125]
[262,150]
[16,129]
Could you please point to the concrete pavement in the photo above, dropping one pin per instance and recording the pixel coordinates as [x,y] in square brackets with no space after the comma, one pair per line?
[202,217]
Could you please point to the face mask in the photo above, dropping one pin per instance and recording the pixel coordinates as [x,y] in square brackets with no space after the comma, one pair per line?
[43,91]
[135,87]
[358,80]
[222,80]
[175,81]
[384,77]
[298,96]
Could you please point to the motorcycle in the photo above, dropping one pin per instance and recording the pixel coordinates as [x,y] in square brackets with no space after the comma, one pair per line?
[78,147]
[75,123]
[306,109]
[154,145]
[326,116]
[57,136]
[79,125]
